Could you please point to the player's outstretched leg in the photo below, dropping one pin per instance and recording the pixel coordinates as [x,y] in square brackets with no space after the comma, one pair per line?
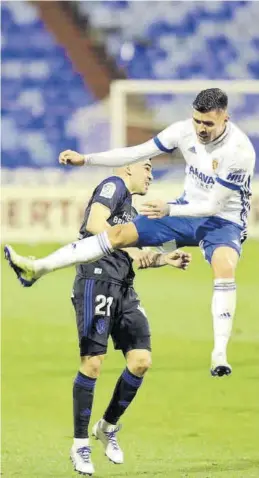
[28,271]
[224,261]
[106,429]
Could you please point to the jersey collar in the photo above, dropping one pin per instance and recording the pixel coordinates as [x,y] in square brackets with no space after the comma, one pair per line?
[222,136]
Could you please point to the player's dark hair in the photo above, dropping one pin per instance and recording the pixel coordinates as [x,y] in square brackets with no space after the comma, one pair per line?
[210,99]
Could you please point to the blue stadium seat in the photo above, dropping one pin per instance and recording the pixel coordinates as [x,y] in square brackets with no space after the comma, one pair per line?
[40,91]
[184,40]
[175,40]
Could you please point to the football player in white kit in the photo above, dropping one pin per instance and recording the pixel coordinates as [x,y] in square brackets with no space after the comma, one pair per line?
[211,213]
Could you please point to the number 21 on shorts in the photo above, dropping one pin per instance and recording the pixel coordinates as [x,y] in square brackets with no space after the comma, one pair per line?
[103,305]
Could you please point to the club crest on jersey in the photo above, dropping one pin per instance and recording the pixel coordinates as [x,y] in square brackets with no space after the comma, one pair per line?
[215,164]
[108,190]
[192,150]
[100,326]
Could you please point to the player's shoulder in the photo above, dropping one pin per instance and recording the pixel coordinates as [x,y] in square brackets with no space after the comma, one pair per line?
[176,133]
[183,127]
[238,147]
[239,141]
[111,186]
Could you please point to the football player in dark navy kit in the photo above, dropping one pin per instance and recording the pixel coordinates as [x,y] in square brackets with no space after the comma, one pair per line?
[106,304]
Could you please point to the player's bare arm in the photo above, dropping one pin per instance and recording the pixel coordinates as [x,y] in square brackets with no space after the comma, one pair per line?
[157,208]
[97,219]
[116,157]
[148,258]
[123,156]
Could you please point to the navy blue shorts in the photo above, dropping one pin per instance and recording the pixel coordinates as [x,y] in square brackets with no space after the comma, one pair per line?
[106,309]
[207,232]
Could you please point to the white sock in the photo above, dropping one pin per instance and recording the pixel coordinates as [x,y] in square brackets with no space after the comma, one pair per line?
[85,250]
[106,426]
[223,310]
[80,442]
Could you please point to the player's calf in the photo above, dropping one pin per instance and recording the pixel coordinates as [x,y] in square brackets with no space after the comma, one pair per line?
[83,394]
[138,362]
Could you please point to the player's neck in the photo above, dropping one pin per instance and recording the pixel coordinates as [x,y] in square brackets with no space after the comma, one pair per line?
[126,179]
[222,134]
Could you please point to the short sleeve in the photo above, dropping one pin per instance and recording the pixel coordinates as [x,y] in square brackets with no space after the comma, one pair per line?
[110,193]
[236,169]
[169,138]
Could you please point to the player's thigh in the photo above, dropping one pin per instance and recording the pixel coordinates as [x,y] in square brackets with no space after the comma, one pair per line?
[221,245]
[131,330]
[155,232]
[95,304]
[224,262]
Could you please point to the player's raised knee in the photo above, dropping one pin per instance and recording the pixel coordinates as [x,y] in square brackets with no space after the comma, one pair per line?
[224,262]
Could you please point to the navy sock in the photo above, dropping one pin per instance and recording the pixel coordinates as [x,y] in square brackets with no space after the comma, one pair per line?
[124,392]
[83,394]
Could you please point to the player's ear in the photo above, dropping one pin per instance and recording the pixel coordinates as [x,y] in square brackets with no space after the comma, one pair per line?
[128,170]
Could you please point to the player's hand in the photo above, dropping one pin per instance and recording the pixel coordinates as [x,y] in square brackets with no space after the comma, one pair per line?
[145,259]
[178,259]
[71,157]
[155,209]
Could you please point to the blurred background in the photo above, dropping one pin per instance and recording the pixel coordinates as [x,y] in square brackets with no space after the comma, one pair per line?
[67,73]
[59,60]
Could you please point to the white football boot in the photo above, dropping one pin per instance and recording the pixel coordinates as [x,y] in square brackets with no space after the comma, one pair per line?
[106,433]
[219,365]
[81,458]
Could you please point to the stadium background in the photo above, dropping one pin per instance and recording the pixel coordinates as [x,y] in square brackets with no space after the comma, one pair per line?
[58,62]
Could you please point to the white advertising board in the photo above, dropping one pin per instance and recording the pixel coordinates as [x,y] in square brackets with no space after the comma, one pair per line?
[54,214]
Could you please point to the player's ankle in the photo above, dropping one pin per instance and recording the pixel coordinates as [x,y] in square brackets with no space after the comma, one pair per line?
[106,426]
[219,353]
[80,442]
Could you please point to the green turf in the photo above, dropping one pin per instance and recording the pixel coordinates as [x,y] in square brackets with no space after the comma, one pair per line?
[183,424]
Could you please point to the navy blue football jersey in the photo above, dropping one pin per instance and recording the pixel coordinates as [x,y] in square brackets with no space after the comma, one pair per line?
[117,267]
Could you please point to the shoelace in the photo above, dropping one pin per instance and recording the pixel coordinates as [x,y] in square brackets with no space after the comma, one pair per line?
[112,437]
[84,453]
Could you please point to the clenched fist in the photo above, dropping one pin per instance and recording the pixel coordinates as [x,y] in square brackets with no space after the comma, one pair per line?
[178,259]
[71,157]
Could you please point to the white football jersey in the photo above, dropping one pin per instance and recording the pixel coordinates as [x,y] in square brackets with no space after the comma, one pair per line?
[230,160]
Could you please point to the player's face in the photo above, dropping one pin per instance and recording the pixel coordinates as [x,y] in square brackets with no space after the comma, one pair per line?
[141,177]
[209,126]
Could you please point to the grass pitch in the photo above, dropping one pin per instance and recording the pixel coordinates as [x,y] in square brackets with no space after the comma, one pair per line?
[183,423]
